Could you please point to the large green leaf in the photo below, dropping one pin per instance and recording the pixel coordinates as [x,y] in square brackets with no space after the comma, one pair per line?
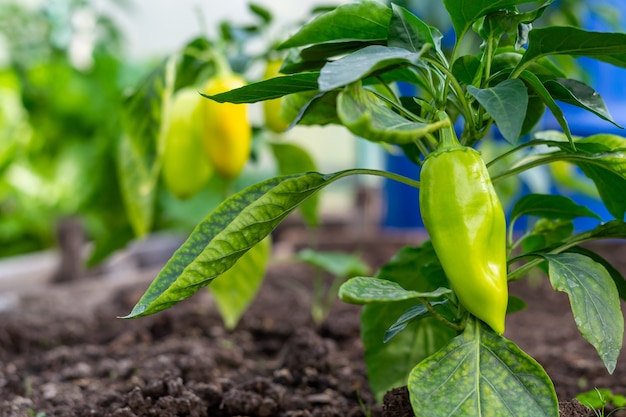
[235,226]
[293,159]
[464,13]
[594,300]
[360,64]
[269,89]
[506,104]
[481,374]
[235,289]
[579,94]
[144,119]
[366,21]
[389,364]
[407,31]
[367,116]
[566,40]
[368,290]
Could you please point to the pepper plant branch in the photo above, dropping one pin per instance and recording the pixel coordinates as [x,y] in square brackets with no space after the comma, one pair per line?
[456,87]
[574,241]
[557,156]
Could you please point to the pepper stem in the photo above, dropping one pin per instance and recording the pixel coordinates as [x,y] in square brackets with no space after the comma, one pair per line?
[447,136]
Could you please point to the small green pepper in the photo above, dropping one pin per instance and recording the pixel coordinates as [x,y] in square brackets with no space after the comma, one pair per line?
[466,223]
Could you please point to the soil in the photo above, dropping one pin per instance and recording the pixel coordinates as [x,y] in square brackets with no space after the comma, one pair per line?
[64,353]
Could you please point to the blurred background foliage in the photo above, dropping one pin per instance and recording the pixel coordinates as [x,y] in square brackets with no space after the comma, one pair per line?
[64,90]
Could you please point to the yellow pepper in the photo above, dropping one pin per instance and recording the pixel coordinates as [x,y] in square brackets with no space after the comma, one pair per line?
[227,132]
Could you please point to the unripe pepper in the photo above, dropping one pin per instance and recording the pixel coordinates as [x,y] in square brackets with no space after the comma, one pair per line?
[185,168]
[466,223]
[227,131]
[272,108]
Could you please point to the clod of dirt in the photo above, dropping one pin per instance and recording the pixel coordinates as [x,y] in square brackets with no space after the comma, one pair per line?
[574,409]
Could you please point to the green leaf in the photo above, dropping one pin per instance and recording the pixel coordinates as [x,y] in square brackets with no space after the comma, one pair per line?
[144,120]
[407,31]
[367,116]
[550,206]
[338,264]
[235,226]
[616,275]
[608,171]
[389,364]
[594,300]
[262,12]
[362,63]
[537,86]
[235,289]
[269,89]
[581,95]
[367,290]
[546,234]
[466,69]
[515,304]
[481,374]
[310,108]
[510,22]
[293,159]
[464,13]
[566,40]
[506,104]
[365,21]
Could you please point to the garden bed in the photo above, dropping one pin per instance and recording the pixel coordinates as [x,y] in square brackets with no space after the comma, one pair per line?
[64,353]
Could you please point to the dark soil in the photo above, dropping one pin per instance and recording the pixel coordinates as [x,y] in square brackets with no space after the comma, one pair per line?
[64,353]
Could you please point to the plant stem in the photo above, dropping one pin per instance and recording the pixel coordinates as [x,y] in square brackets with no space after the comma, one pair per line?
[440,318]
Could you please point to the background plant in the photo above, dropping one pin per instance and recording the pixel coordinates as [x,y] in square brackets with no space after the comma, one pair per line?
[341,68]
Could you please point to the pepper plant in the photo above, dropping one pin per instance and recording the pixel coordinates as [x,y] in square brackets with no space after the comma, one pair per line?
[434,316]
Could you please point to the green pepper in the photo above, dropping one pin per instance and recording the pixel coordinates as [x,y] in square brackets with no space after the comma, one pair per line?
[466,223]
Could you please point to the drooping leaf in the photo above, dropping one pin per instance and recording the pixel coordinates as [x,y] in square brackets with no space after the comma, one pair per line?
[566,40]
[310,108]
[144,119]
[235,226]
[389,364]
[417,312]
[235,289]
[269,89]
[550,206]
[464,13]
[537,86]
[594,300]
[407,31]
[367,116]
[481,374]
[579,94]
[368,290]
[506,103]
[608,171]
[366,21]
[362,63]
[293,159]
